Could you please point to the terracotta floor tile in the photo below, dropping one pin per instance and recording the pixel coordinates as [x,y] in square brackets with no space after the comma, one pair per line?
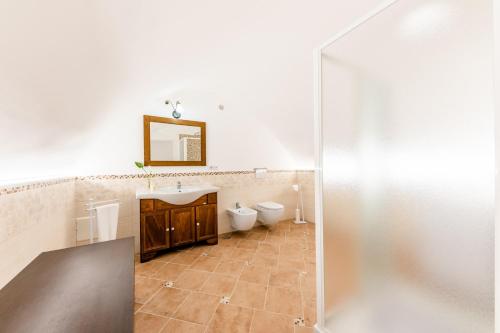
[220,251]
[310,259]
[199,250]
[219,284]
[268,260]
[277,232]
[179,326]
[290,250]
[275,239]
[282,227]
[268,248]
[308,283]
[148,268]
[260,229]
[166,257]
[146,323]
[310,316]
[165,302]
[239,234]
[242,254]
[145,288]
[233,268]
[309,311]
[298,243]
[285,301]
[296,230]
[308,293]
[250,295]
[248,244]
[311,239]
[284,278]
[198,308]
[310,268]
[266,322]
[310,253]
[231,319]
[296,238]
[205,264]
[229,242]
[170,272]
[191,279]
[292,263]
[277,260]
[256,274]
[184,258]
[258,236]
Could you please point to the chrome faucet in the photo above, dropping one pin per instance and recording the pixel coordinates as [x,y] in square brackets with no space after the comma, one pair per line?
[179,185]
[238,205]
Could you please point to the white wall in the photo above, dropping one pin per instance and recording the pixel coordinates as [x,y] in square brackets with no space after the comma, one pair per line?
[77,76]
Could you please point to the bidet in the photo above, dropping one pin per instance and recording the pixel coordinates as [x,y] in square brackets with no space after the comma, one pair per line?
[242,218]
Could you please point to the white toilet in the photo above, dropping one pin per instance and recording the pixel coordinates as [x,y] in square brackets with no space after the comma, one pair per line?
[270,212]
[242,218]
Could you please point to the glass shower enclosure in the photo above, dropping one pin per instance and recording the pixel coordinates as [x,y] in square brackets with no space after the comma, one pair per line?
[405,170]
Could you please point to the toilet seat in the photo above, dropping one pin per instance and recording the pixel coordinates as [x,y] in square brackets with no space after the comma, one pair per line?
[269,205]
[269,212]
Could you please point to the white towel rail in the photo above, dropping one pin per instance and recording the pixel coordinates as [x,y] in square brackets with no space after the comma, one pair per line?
[91,208]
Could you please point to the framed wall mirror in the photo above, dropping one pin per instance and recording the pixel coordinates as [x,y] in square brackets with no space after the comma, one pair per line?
[174,142]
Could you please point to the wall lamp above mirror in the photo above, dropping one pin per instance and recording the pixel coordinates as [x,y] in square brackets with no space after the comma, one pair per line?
[174,142]
[176,114]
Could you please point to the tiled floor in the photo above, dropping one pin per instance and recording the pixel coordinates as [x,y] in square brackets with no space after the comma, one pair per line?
[259,281]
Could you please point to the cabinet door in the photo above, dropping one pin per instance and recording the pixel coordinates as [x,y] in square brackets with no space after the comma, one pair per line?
[206,222]
[182,226]
[155,231]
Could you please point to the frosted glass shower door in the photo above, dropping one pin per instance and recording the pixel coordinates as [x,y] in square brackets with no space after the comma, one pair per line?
[407,151]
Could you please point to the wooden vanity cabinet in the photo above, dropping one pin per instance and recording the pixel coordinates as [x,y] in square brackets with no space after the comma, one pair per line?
[155,231]
[206,222]
[182,227]
[166,226]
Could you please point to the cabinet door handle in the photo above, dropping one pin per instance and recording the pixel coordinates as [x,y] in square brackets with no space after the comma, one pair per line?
[198,224]
[168,229]
[173,229]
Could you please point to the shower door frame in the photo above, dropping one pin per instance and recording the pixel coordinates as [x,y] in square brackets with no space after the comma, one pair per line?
[318,158]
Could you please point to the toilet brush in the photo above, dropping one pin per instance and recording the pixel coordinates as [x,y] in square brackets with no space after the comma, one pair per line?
[297,188]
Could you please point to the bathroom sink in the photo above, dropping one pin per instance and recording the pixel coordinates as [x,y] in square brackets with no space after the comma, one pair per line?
[176,196]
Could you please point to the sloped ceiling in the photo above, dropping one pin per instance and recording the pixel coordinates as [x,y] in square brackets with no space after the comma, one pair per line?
[77,76]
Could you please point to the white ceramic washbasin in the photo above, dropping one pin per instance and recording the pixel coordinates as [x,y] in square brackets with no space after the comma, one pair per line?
[175,196]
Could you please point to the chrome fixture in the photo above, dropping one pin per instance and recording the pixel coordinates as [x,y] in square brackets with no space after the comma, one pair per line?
[179,185]
[175,113]
[238,206]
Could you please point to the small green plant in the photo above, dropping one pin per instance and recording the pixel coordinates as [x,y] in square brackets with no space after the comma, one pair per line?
[140,165]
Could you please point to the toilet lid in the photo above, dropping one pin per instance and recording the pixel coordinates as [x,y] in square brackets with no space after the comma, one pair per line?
[269,205]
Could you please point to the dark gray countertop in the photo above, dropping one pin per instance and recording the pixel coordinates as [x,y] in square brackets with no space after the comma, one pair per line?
[82,289]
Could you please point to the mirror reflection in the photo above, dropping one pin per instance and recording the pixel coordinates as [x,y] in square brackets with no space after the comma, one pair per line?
[171,142]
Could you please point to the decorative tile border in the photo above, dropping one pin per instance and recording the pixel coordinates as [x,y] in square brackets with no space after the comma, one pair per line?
[178,174]
[10,189]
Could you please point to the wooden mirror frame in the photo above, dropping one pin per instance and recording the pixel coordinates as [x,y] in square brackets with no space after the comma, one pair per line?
[147,141]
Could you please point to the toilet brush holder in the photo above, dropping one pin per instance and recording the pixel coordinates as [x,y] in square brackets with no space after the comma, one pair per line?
[297,188]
